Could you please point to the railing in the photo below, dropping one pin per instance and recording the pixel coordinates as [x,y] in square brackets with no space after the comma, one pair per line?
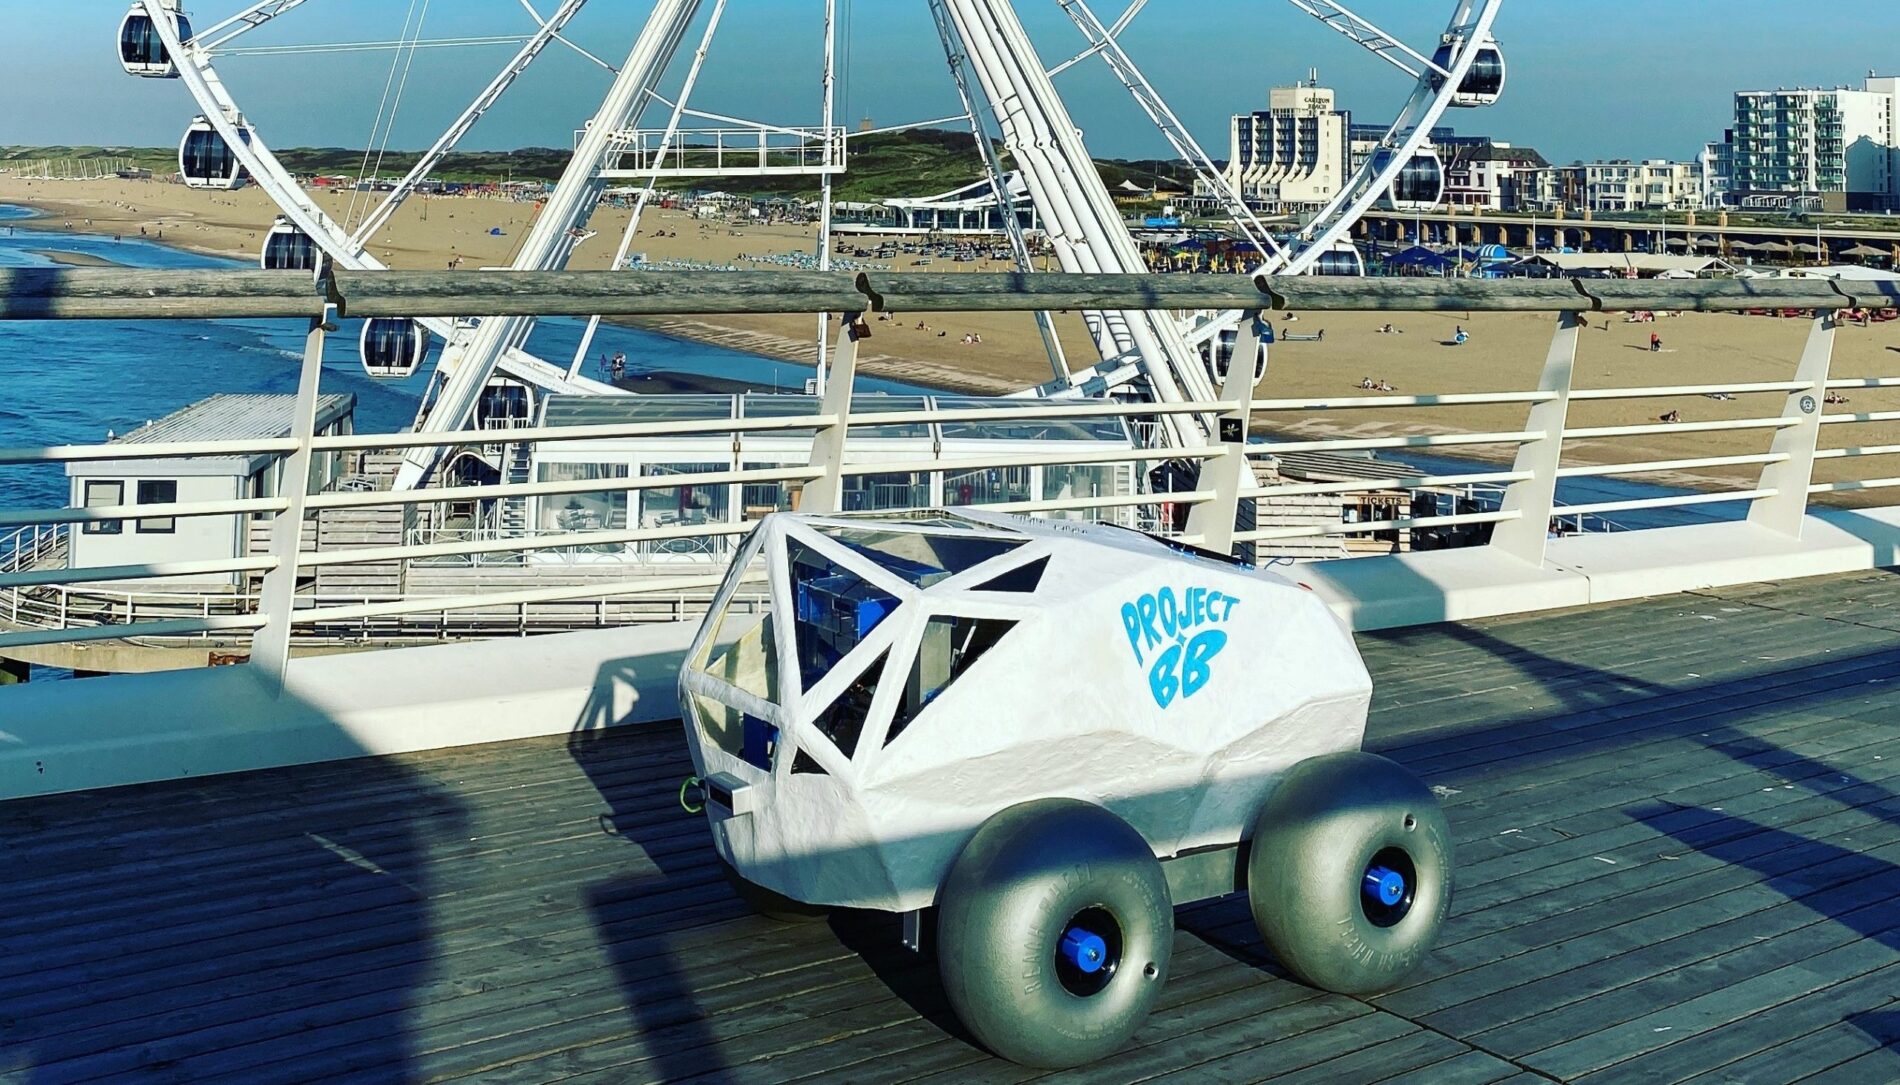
[1529,455]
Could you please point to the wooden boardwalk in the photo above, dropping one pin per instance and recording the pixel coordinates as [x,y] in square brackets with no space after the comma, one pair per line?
[1679,861]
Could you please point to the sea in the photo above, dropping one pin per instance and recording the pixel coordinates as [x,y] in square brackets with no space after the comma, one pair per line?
[78,382]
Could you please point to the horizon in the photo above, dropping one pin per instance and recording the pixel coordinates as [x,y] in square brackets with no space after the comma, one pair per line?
[1648,97]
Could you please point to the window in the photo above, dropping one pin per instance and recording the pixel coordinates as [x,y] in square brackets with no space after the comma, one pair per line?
[583,512]
[950,647]
[836,610]
[756,499]
[683,505]
[158,492]
[100,494]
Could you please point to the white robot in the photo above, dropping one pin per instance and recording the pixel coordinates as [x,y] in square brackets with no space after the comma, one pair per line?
[1052,733]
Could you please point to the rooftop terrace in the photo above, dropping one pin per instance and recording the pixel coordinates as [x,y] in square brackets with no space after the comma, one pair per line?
[1678,847]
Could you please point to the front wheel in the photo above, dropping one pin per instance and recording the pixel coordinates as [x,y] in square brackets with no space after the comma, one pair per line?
[1349,877]
[1054,932]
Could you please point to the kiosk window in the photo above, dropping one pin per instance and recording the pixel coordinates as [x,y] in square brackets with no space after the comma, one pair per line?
[100,494]
[158,493]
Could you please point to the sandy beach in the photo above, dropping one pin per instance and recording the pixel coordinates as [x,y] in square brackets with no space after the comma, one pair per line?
[1505,351]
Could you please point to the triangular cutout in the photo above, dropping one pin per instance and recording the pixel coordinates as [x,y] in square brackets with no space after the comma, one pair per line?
[835,610]
[803,765]
[843,721]
[1023,579]
[922,557]
[950,647]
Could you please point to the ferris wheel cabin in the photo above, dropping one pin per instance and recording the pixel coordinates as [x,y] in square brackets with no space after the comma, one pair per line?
[393,348]
[1342,260]
[1483,84]
[287,248]
[205,160]
[1218,353]
[141,51]
[1418,186]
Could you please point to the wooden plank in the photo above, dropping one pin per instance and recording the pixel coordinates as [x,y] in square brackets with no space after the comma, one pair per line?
[1831,1026]
[472,919]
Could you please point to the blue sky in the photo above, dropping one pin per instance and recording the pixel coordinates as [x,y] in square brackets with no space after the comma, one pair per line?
[1589,78]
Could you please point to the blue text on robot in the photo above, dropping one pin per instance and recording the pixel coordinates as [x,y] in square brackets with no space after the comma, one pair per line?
[1176,632]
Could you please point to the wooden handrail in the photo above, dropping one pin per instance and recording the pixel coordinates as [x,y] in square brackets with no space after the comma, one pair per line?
[119,294]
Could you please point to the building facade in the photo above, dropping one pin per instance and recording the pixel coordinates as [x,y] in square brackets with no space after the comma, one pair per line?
[1835,145]
[1479,178]
[1291,156]
[1655,185]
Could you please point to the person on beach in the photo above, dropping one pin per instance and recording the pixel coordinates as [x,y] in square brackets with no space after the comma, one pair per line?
[1460,336]
[1655,343]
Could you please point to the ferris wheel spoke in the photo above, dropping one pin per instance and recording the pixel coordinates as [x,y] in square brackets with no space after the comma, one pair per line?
[250,18]
[483,102]
[1113,33]
[539,21]
[1468,42]
[1184,144]
[1366,35]
[403,44]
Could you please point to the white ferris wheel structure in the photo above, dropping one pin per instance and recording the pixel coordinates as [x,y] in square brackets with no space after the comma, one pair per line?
[642,136]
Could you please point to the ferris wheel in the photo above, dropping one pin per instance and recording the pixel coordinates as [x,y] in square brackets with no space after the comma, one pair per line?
[646,132]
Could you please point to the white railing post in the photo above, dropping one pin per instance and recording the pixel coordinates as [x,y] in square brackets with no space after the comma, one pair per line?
[826,493]
[1215,521]
[270,646]
[1786,508]
[1533,498]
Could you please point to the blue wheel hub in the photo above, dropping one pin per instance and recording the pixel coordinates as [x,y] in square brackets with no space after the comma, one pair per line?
[1084,950]
[1384,885]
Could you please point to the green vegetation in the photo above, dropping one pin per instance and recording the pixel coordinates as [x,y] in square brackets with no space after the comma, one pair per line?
[915,163]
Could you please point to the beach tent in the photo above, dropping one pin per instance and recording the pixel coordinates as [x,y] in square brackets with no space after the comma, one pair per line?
[1851,272]
[1418,257]
[1646,265]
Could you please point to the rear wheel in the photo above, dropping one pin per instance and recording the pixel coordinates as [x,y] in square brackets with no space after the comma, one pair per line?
[1349,876]
[1054,933]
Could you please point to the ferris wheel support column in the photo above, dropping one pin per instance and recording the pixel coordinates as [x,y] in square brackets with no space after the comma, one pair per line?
[1087,230]
[471,363]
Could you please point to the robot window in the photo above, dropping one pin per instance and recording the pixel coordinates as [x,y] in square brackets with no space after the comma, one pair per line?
[843,722]
[750,662]
[950,647]
[835,610]
[1023,579]
[922,558]
[743,736]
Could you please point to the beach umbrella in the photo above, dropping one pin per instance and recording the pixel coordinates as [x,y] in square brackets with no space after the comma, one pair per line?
[1744,246]
[1807,248]
[1676,242]
[1707,241]
[1774,246]
[1865,250]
